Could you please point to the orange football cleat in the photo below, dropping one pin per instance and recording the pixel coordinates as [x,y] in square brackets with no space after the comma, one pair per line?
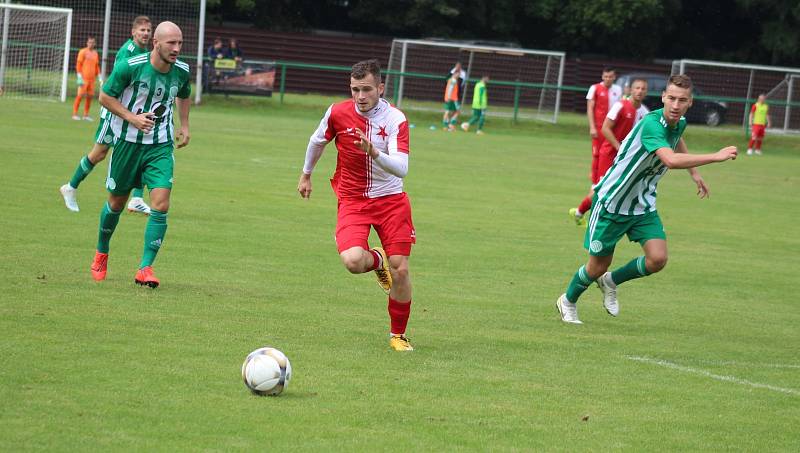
[145,277]
[100,266]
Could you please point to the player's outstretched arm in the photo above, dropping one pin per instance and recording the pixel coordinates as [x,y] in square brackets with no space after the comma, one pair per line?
[675,160]
[183,111]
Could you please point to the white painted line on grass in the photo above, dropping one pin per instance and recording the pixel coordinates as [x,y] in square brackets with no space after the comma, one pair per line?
[747,364]
[718,377]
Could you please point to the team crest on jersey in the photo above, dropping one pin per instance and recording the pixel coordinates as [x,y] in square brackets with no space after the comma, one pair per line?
[382,132]
[596,246]
[173,91]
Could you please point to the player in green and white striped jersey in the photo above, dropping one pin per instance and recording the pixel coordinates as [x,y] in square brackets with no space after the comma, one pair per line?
[625,199]
[141,93]
[104,138]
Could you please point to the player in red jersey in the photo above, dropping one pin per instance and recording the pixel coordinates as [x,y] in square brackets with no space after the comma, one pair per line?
[624,114]
[599,99]
[372,143]
[759,121]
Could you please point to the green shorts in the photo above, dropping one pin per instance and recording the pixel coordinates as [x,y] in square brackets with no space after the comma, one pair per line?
[104,135]
[451,106]
[606,229]
[132,164]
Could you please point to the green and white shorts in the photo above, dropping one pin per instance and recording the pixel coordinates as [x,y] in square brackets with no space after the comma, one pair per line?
[605,229]
[134,164]
[104,134]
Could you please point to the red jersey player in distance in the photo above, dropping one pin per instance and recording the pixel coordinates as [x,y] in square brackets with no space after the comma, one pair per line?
[599,99]
[371,139]
[624,114]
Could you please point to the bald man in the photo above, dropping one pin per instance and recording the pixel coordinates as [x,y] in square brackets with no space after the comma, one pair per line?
[141,92]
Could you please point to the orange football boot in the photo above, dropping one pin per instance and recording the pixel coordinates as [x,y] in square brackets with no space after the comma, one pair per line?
[145,277]
[100,266]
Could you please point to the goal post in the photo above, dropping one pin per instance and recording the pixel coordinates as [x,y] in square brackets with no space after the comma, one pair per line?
[34,52]
[740,84]
[109,22]
[523,82]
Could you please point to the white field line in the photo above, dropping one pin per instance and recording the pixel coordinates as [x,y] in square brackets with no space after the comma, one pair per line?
[747,364]
[718,377]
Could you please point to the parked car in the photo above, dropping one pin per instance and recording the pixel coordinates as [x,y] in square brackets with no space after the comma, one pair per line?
[703,111]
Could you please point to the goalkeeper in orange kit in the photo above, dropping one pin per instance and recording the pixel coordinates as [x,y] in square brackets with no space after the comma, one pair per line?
[88,68]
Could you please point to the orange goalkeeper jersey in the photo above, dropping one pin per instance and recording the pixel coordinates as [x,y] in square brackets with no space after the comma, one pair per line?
[88,64]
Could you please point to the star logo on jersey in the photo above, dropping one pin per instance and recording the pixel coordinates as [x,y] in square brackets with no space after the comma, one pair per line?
[382,132]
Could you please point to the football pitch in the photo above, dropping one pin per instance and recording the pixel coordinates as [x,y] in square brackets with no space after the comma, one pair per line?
[705,356]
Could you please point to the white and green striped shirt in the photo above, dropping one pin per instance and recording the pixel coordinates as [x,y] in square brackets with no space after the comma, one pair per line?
[142,88]
[629,186]
[127,50]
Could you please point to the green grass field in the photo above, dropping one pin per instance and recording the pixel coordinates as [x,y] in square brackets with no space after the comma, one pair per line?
[703,357]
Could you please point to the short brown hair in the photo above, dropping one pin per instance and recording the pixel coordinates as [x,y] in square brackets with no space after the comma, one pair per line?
[680,81]
[362,68]
[140,20]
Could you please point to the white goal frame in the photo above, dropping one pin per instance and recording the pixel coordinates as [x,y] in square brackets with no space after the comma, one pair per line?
[791,79]
[6,8]
[473,49]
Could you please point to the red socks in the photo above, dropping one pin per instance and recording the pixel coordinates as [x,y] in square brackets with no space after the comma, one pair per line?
[398,313]
[376,259]
[585,205]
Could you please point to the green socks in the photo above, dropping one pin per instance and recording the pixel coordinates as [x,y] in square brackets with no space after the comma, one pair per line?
[579,283]
[108,223]
[153,237]
[138,193]
[84,168]
[634,269]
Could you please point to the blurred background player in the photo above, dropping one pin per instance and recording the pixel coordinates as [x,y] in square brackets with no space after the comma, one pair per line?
[599,99]
[88,68]
[626,200]
[624,114]
[104,138]
[370,192]
[451,102]
[151,85]
[480,101]
[759,122]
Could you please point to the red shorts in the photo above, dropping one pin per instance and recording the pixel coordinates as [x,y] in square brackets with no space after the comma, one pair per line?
[596,144]
[758,131]
[605,160]
[87,88]
[389,215]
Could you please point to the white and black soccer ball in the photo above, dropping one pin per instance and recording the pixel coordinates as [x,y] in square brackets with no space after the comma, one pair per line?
[266,371]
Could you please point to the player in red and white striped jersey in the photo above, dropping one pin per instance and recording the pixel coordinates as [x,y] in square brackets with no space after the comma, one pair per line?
[371,138]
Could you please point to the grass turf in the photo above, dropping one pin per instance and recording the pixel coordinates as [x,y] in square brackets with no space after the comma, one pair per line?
[702,357]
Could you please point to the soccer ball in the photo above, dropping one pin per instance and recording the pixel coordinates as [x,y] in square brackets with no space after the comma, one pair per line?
[266,371]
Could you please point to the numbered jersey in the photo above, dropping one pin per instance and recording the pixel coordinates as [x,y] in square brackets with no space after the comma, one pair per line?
[141,88]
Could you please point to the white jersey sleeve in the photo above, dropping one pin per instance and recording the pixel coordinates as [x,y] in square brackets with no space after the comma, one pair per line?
[590,94]
[316,143]
[614,94]
[641,112]
[614,111]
